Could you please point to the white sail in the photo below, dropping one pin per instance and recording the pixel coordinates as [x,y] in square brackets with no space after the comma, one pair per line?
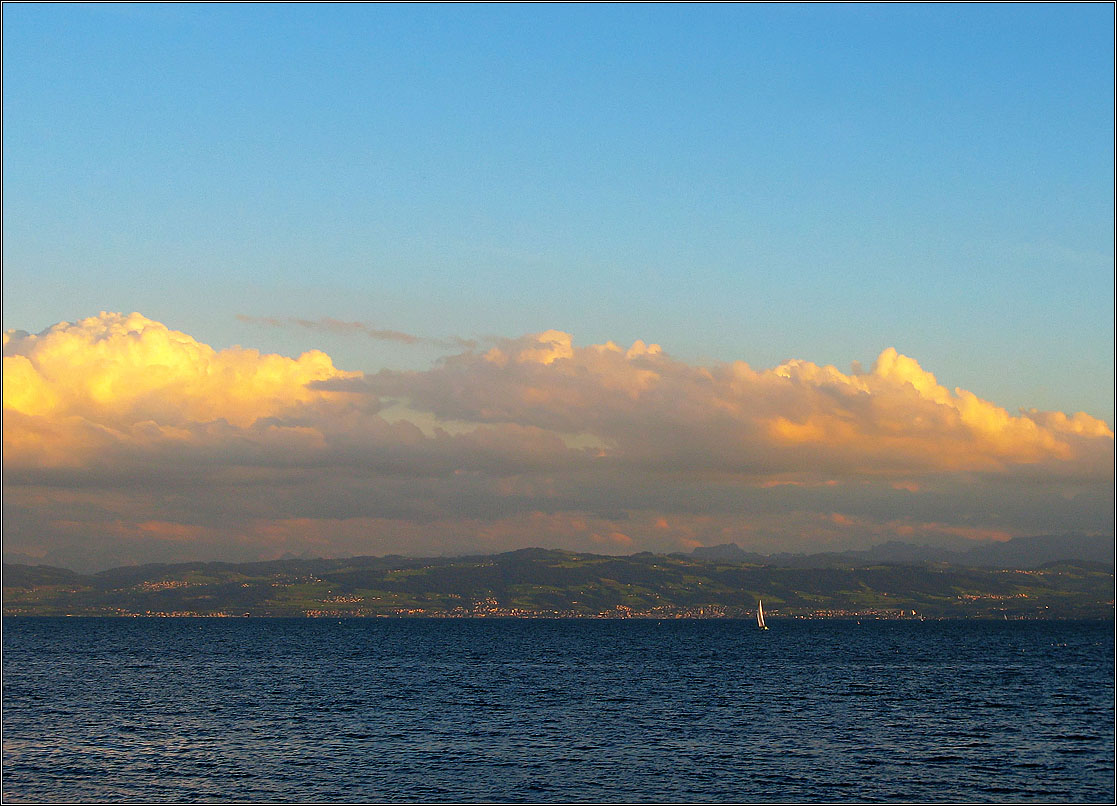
[760,615]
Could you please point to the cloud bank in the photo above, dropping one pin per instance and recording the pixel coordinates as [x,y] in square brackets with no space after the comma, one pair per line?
[797,419]
[125,441]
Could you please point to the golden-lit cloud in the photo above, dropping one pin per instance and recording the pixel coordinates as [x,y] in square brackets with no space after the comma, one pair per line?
[110,378]
[125,440]
[797,418]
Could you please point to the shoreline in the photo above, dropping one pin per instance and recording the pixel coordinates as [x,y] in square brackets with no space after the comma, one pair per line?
[858,618]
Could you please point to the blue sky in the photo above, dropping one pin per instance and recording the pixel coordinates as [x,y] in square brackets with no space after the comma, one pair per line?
[742,182]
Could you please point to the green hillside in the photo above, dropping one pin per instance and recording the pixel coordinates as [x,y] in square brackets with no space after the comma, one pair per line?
[546,583]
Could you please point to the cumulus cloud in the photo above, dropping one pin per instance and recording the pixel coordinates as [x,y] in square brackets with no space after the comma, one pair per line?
[125,440]
[118,365]
[797,419]
[113,375]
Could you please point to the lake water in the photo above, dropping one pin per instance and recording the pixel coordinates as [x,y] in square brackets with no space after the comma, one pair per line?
[506,710]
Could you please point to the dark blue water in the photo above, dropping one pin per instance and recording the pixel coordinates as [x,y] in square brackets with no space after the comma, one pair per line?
[360,710]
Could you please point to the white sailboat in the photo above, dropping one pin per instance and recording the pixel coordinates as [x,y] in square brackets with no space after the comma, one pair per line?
[760,615]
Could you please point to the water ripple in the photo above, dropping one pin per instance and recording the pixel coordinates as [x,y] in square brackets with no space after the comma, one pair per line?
[298,710]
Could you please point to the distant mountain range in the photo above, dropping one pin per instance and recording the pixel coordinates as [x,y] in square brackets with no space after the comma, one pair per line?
[1019,552]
